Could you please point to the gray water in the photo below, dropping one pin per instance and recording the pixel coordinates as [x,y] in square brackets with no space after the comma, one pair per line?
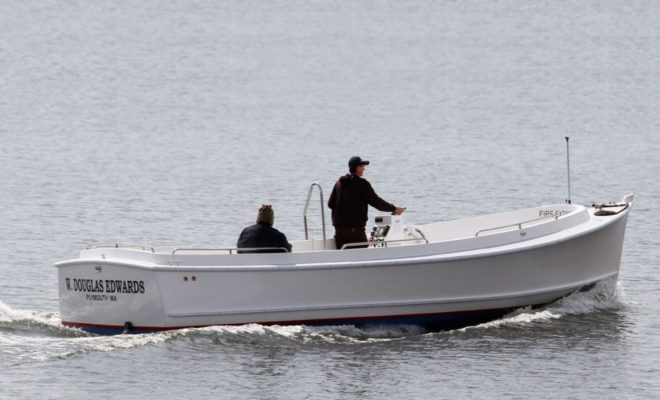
[172,122]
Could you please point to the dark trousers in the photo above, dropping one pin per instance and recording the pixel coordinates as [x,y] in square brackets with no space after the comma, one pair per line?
[346,234]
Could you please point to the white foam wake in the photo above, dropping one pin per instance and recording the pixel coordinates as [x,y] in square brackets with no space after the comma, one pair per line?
[36,322]
[302,334]
[605,295]
[33,336]
[10,315]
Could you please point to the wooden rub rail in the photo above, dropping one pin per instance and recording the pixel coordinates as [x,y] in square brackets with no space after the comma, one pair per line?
[518,224]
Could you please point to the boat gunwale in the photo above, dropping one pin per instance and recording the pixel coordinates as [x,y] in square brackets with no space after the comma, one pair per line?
[504,249]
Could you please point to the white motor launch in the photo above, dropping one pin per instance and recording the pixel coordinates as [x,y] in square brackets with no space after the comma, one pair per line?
[440,275]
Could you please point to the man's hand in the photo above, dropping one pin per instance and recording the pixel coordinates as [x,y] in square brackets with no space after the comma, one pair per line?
[399,210]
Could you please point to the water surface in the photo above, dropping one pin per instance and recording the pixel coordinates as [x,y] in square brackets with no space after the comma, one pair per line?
[172,122]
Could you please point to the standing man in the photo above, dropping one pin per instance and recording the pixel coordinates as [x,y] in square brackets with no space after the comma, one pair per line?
[349,202]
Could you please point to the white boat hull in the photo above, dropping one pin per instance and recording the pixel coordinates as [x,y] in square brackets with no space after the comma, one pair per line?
[441,285]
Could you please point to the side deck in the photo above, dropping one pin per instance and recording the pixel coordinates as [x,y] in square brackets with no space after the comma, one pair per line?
[469,237]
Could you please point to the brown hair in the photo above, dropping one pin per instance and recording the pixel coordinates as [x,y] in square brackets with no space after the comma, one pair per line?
[266,215]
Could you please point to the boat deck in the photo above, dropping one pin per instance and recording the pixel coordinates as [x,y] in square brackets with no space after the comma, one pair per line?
[469,237]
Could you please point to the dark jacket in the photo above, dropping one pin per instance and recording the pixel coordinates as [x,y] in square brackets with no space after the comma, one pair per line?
[262,235]
[350,199]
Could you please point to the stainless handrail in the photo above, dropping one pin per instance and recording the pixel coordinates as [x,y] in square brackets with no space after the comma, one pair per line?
[309,196]
[348,245]
[118,245]
[518,224]
[421,233]
[229,249]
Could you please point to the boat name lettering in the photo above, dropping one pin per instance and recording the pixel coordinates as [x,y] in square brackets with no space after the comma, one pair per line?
[104,286]
[552,213]
[118,286]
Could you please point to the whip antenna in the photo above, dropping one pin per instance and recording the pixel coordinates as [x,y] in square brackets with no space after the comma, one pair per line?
[568,170]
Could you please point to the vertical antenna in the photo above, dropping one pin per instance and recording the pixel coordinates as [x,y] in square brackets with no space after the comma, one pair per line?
[568,170]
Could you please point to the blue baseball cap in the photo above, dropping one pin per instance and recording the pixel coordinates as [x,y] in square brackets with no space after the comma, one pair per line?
[355,161]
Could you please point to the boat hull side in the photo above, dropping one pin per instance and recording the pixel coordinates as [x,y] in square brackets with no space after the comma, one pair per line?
[437,294]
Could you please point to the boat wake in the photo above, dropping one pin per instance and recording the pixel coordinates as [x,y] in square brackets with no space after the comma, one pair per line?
[28,336]
[36,336]
[302,334]
[34,323]
[605,295]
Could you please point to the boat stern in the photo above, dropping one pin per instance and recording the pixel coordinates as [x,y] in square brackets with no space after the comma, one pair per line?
[100,296]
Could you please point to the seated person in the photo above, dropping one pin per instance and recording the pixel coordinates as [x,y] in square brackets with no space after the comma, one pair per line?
[262,234]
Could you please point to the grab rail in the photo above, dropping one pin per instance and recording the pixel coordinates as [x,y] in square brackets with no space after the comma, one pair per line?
[309,196]
[518,224]
[350,245]
[119,245]
[230,249]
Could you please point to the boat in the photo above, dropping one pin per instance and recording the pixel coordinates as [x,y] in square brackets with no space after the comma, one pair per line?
[442,275]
